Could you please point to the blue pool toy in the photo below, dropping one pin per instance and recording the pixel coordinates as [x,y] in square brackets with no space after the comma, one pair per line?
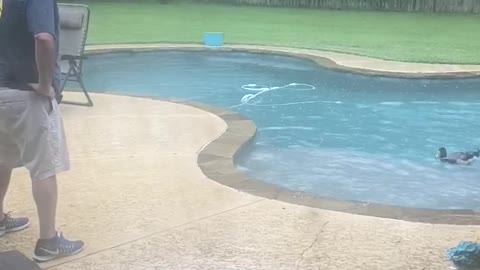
[466,255]
[213,39]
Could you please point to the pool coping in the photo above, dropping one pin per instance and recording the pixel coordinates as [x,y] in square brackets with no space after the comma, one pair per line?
[217,162]
[331,60]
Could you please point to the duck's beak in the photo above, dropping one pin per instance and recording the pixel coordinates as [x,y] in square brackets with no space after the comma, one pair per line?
[437,156]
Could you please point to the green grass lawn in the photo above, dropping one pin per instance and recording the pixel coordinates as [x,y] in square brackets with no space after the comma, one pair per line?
[433,38]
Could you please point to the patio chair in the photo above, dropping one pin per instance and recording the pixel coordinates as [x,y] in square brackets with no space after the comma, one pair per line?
[74,21]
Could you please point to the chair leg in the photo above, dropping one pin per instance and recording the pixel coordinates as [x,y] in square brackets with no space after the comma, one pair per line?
[82,85]
[59,95]
[78,78]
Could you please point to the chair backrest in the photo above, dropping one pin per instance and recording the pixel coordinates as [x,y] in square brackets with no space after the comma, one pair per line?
[74,22]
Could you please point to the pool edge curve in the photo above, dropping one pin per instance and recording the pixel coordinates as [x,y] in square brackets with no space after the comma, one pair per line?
[331,60]
[217,159]
[217,162]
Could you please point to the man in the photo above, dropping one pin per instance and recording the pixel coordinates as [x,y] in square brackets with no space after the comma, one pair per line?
[31,127]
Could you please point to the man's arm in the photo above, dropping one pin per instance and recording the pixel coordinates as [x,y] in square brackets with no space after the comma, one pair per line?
[41,23]
[45,54]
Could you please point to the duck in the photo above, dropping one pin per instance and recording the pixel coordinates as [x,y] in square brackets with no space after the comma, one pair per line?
[465,158]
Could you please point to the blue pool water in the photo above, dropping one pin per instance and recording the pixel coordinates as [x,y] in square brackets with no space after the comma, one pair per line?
[345,136]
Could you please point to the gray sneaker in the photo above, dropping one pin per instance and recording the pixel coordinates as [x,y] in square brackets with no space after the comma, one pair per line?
[9,224]
[57,247]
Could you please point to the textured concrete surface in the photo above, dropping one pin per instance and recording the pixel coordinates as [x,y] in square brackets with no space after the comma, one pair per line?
[273,235]
[138,198]
[335,60]
[134,173]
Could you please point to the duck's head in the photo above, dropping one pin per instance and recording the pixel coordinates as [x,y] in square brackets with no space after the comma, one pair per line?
[442,153]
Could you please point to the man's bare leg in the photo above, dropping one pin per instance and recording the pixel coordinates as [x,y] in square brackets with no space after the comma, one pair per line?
[7,223]
[5,175]
[45,195]
[51,244]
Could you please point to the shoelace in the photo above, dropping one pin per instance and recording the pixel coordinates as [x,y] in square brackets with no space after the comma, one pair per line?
[63,247]
[8,218]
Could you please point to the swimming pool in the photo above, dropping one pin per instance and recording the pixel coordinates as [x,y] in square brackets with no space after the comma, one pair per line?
[330,133]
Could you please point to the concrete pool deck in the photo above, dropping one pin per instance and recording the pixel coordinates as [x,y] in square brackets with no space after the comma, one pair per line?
[137,195]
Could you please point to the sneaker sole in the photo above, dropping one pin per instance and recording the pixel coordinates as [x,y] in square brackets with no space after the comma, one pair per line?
[42,259]
[16,229]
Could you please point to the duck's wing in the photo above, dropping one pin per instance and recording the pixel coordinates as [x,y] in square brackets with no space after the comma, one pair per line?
[456,155]
[473,154]
[470,155]
[449,160]
[465,156]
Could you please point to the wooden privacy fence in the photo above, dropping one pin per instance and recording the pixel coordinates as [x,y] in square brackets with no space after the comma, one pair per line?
[453,6]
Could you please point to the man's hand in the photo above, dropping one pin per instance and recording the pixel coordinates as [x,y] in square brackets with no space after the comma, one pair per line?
[47,91]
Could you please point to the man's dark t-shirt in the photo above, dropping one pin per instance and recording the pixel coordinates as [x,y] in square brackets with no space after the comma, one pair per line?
[20,21]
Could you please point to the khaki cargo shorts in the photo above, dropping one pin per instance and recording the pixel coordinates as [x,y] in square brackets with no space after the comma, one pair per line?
[32,134]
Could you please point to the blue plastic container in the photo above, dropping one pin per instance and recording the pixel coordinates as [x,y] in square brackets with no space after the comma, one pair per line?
[213,39]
